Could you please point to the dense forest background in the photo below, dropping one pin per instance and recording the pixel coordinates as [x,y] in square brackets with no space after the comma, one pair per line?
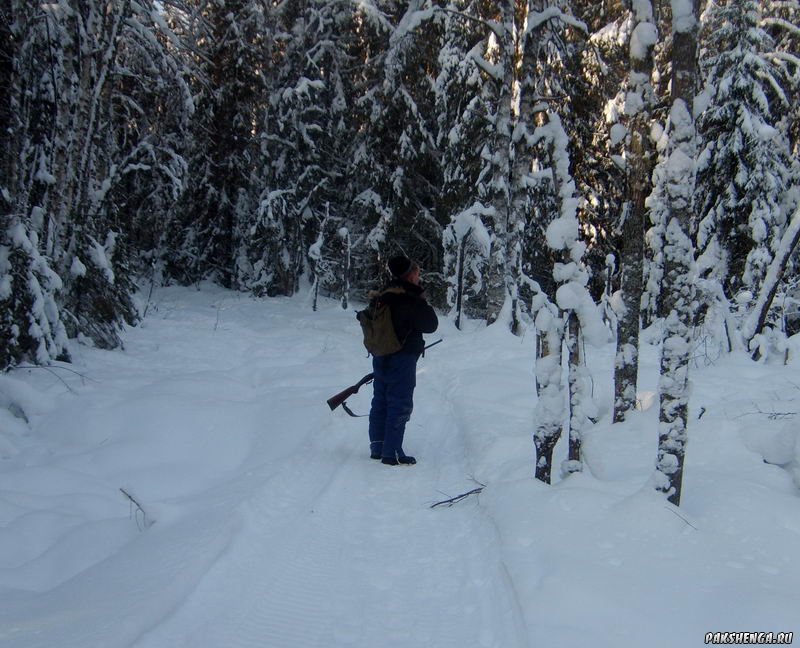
[545,161]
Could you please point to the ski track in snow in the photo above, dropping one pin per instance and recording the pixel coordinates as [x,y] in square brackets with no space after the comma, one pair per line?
[300,540]
[330,532]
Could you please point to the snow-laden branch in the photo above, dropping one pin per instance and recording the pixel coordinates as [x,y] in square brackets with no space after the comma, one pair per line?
[494,71]
[783,24]
[643,39]
[497,28]
[537,18]
[683,17]
[374,15]
[470,222]
[785,57]
[410,21]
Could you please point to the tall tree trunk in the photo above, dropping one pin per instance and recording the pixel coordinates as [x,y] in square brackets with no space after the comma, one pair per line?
[346,269]
[577,396]
[461,259]
[757,319]
[521,163]
[94,62]
[639,171]
[550,403]
[496,274]
[552,319]
[679,287]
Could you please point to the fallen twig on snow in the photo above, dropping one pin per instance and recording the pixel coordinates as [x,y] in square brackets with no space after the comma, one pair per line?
[673,511]
[50,369]
[772,416]
[139,510]
[454,500]
[775,416]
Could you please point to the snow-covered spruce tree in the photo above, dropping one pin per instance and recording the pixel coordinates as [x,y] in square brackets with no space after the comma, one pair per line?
[481,232]
[334,58]
[540,78]
[394,171]
[28,284]
[365,208]
[151,120]
[462,126]
[596,71]
[68,155]
[639,163]
[781,19]
[271,259]
[205,232]
[97,279]
[678,173]
[405,130]
[745,164]
[306,137]
[520,61]
[11,45]
[30,326]
[475,122]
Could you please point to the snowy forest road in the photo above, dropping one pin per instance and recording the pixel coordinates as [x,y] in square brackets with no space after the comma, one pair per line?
[335,549]
[271,526]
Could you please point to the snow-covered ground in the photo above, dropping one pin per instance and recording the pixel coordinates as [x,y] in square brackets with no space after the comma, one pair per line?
[263,521]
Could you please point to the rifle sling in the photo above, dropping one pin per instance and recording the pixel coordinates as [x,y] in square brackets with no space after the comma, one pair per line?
[350,412]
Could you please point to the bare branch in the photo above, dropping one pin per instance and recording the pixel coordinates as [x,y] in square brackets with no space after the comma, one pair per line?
[138,511]
[673,510]
[454,500]
[50,369]
[772,416]
[776,416]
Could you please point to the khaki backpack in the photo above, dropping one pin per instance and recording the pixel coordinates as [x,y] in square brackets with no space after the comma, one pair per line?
[380,338]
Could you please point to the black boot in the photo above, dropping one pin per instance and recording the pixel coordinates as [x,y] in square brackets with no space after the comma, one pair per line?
[405,460]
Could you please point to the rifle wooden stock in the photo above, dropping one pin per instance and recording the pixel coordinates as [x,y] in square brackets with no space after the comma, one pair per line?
[342,396]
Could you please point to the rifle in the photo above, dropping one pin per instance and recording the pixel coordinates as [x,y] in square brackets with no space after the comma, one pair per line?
[342,396]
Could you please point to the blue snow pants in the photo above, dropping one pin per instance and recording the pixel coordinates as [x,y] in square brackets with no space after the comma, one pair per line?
[392,402]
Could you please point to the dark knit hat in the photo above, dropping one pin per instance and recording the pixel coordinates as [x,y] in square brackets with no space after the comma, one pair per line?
[400,266]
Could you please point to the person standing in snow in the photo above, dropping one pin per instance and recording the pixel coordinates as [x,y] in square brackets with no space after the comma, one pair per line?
[396,373]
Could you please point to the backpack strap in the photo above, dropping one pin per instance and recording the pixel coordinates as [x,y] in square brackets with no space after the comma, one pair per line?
[391,290]
[395,290]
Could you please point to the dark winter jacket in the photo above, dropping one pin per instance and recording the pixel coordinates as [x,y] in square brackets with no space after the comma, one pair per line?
[411,314]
